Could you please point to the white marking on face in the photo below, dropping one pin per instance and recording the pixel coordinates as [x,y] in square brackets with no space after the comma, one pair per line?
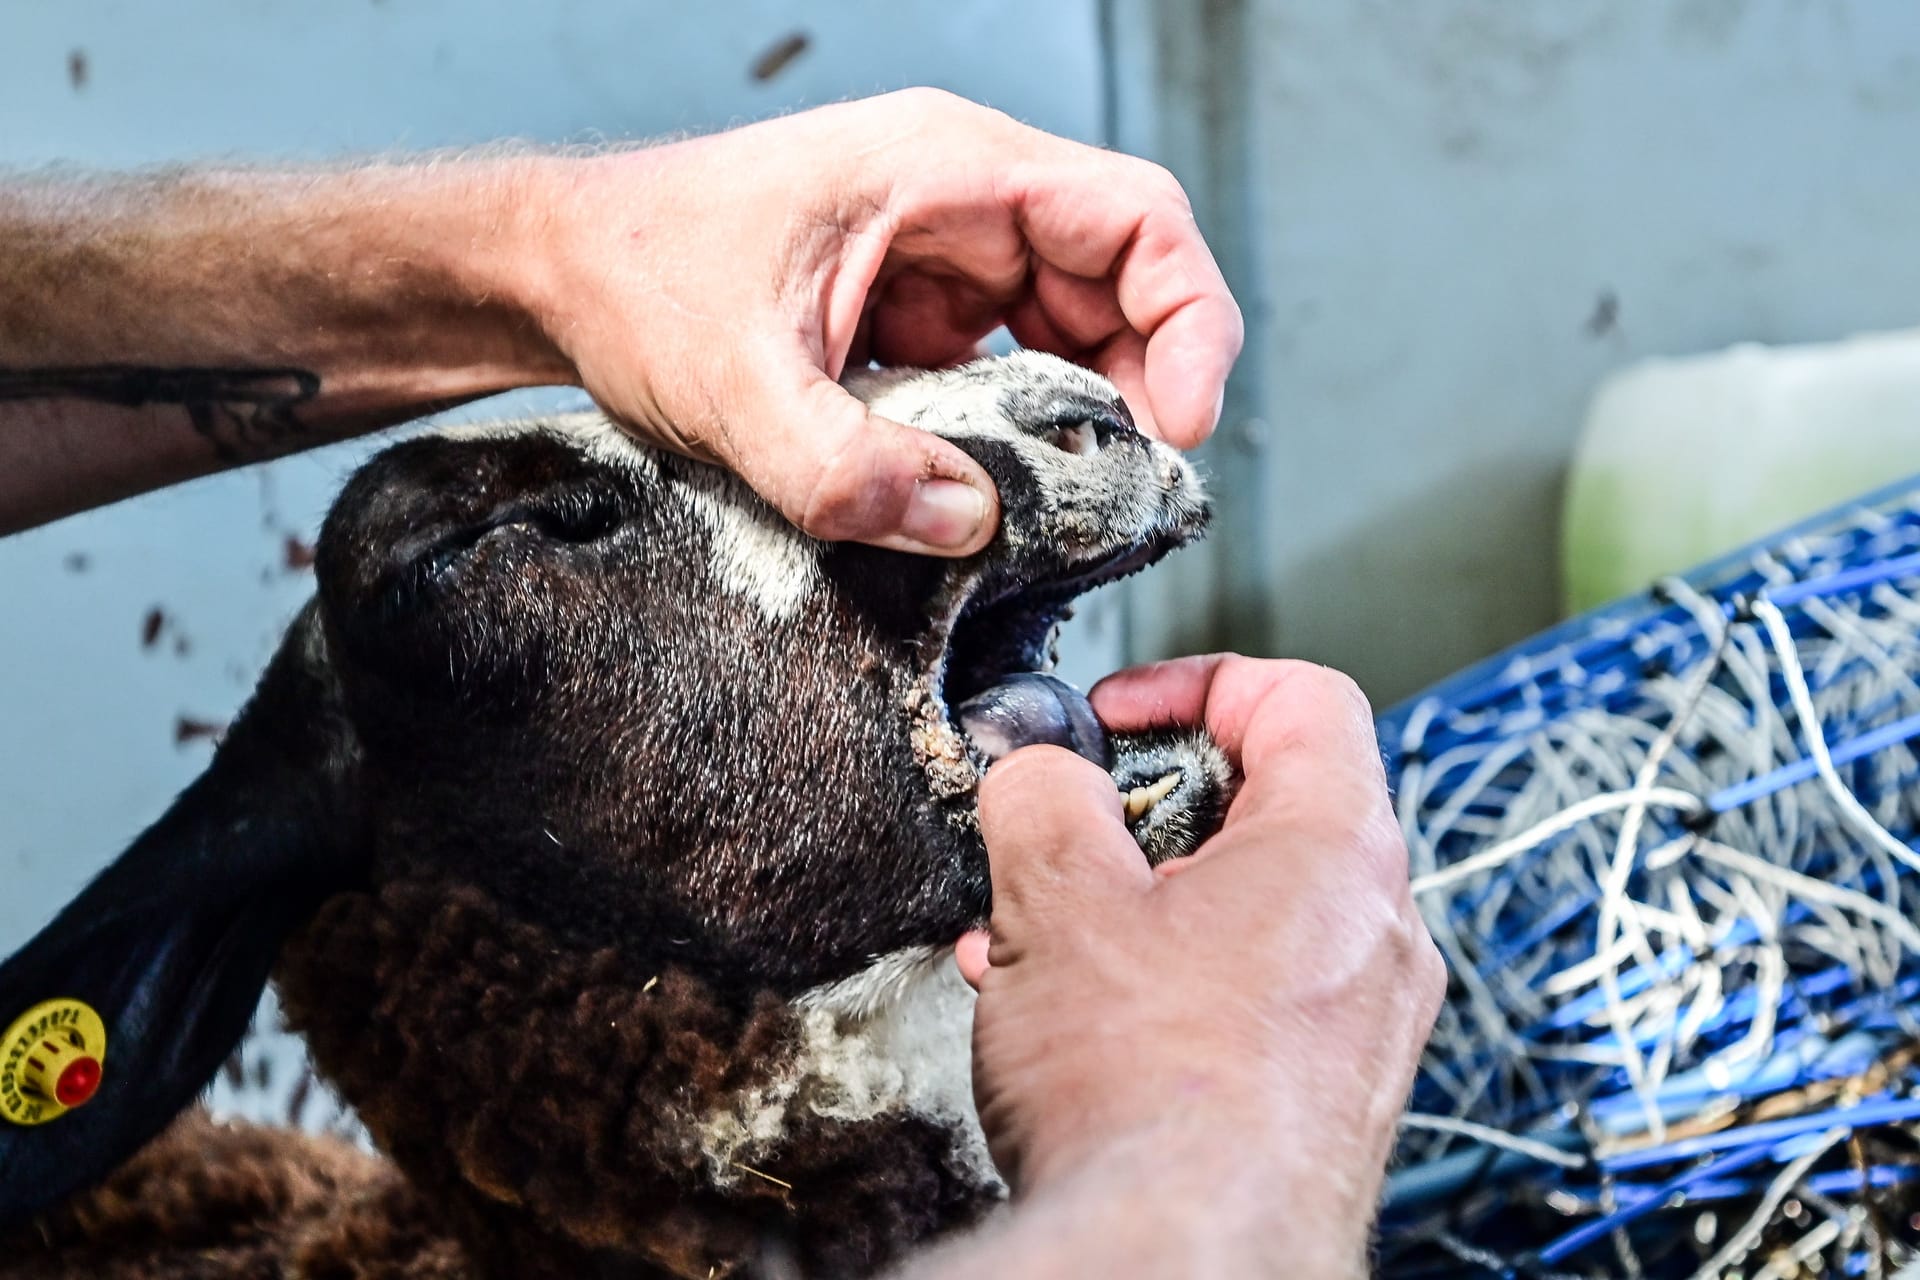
[895,1038]
[756,554]
[600,439]
[590,431]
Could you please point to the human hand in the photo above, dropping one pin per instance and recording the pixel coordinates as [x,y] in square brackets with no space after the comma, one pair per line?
[1267,998]
[710,292]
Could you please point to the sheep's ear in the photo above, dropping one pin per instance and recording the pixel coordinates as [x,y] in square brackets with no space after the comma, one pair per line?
[172,944]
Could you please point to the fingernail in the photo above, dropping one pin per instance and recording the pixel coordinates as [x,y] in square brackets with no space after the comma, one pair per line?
[944,514]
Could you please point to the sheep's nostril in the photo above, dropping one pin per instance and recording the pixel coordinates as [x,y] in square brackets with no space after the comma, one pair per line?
[1080,438]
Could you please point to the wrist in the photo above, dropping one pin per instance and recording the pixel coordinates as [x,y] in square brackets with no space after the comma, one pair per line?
[488,234]
[569,248]
[505,254]
[1240,1198]
[1234,1160]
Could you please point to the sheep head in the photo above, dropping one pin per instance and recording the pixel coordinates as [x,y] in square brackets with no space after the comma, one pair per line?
[621,831]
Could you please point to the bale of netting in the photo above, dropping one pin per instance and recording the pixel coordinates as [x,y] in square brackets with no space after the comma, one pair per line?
[1668,850]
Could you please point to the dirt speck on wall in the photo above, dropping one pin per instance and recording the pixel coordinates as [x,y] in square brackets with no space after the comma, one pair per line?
[1605,316]
[158,625]
[779,55]
[188,729]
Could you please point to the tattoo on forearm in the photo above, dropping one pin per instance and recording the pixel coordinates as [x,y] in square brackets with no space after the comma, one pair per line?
[243,413]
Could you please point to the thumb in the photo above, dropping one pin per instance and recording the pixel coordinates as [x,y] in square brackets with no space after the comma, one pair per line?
[1057,844]
[843,474]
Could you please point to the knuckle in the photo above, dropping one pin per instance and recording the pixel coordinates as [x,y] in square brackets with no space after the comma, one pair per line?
[1376,855]
[1322,714]
[1336,689]
[851,488]
[925,102]
[1236,340]
[1309,681]
[1158,181]
[840,502]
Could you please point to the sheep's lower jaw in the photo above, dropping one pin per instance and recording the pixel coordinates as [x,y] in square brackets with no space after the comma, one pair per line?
[1175,786]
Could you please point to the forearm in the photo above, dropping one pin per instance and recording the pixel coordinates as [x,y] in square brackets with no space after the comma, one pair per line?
[1177,1202]
[159,328]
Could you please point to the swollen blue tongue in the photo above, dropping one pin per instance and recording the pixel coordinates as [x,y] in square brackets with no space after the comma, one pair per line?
[1030,708]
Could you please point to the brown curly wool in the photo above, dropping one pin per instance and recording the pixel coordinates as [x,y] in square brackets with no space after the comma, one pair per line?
[550,1103]
[214,1201]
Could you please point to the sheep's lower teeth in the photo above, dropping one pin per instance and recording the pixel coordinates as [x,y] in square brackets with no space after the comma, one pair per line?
[1140,800]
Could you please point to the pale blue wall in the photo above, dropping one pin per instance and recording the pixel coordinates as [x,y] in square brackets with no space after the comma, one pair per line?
[87,717]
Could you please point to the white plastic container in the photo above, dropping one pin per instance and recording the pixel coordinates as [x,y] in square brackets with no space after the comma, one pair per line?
[1682,460]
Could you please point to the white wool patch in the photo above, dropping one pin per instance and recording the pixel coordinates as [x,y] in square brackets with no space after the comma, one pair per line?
[896,1038]
[756,554]
[600,439]
[589,431]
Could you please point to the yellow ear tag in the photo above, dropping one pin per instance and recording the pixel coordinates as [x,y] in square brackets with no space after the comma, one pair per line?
[51,1061]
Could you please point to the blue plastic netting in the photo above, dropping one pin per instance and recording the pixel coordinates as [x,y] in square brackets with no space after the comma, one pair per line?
[1668,849]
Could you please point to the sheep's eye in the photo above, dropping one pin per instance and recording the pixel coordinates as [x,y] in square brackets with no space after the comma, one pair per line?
[575,518]
[1082,438]
[441,560]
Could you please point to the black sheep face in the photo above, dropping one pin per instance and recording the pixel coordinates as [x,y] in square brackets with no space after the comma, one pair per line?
[612,688]
[610,837]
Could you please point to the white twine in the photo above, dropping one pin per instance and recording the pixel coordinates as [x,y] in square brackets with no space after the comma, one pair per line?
[1684,911]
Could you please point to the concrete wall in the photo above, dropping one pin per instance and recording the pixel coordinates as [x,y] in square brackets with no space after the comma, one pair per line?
[89,714]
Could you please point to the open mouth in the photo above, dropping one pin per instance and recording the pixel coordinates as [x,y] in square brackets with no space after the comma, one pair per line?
[998,685]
